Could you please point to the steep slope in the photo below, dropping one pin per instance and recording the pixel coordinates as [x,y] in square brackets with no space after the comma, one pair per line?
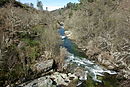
[27,36]
[101,29]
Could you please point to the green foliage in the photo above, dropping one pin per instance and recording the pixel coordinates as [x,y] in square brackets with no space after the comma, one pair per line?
[38,29]
[108,81]
[84,1]
[40,5]
[73,6]
[69,5]
[30,42]
[32,53]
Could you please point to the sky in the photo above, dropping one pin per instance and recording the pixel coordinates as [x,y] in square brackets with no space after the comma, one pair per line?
[51,4]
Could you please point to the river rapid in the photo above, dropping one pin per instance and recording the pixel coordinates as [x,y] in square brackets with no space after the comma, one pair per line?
[94,75]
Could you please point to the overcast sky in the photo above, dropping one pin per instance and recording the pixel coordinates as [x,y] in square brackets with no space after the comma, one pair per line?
[51,4]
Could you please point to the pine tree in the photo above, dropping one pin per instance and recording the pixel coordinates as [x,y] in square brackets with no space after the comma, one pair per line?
[39,5]
[32,5]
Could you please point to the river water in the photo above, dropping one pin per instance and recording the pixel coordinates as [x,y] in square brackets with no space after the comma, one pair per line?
[96,75]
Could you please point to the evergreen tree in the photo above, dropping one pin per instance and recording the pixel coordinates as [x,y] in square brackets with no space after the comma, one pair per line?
[32,5]
[83,1]
[39,5]
[69,5]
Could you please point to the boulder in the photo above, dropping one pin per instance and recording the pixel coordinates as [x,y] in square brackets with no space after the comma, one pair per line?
[40,82]
[81,74]
[54,80]
[62,78]
[70,35]
[43,66]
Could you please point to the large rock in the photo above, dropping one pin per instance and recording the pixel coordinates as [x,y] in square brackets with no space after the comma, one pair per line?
[81,74]
[40,82]
[69,34]
[53,80]
[43,66]
[63,79]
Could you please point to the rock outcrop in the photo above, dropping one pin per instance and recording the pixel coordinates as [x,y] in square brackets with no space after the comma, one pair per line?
[43,66]
[53,80]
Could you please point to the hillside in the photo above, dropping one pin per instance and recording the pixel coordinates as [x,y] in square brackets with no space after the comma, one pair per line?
[27,36]
[101,29]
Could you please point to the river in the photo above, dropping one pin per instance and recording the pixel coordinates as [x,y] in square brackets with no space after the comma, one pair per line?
[96,75]
[87,73]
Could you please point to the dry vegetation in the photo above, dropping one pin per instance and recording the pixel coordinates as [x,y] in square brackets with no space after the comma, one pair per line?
[26,36]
